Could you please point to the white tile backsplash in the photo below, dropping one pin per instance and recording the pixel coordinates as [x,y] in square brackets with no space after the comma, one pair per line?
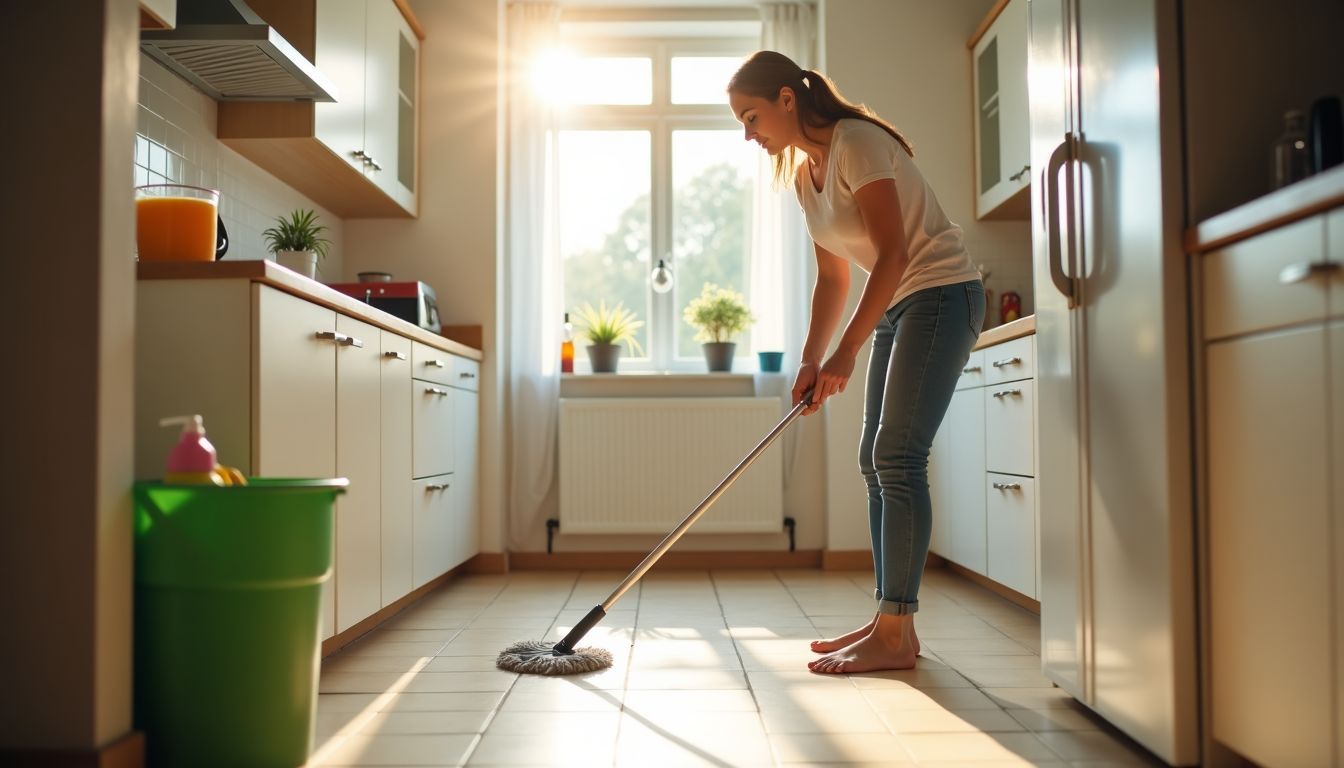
[176,143]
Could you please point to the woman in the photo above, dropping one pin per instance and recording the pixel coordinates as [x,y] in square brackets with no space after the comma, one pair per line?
[866,202]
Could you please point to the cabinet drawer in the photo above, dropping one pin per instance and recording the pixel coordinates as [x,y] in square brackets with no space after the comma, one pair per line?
[1011,360]
[433,521]
[431,364]
[1010,522]
[433,429]
[1009,415]
[1244,288]
[1334,238]
[465,373]
[973,373]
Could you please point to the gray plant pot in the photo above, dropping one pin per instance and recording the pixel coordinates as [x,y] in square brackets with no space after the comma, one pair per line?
[719,355]
[603,357]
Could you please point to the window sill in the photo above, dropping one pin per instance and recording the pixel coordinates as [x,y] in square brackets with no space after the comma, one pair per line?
[674,384]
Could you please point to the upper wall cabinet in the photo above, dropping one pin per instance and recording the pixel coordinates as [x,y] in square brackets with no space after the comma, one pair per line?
[158,14]
[356,156]
[1002,141]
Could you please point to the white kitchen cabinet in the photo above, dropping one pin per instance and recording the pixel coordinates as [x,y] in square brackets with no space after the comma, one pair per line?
[397,531]
[339,53]
[988,437]
[433,428]
[1273,355]
[291,388]
[1002,144]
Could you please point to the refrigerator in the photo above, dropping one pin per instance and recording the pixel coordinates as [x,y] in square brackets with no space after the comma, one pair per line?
[1117,591]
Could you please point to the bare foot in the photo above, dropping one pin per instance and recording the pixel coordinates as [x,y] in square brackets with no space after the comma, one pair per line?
[849,638]
[889,646]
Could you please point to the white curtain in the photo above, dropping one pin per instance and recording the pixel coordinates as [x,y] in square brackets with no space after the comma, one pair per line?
[531,276]
[781,254]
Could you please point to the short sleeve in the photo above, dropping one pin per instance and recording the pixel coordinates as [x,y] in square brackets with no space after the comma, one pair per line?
[867,154]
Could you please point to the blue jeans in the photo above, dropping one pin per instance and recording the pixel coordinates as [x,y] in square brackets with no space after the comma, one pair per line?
[919,349]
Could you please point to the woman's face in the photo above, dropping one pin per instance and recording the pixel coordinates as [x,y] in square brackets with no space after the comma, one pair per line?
[772,124]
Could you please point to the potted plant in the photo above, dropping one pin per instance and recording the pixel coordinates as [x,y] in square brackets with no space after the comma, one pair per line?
[718,314]
[606,330]
[297,242]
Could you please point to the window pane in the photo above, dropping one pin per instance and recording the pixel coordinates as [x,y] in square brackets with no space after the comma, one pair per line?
[605,80]
[702,79]
[603,223]
[712,186]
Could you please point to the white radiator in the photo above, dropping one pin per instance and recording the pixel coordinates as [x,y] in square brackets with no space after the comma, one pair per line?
[640,465]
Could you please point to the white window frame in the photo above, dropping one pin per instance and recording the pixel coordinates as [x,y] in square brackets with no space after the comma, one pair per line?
[659,118]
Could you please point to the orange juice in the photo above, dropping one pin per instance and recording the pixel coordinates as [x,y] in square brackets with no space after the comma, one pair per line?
[175,229]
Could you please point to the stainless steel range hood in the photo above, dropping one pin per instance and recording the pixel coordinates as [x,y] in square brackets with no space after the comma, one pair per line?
[224,48]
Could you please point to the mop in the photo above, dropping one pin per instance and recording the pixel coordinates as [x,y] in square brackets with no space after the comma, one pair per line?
[538,657]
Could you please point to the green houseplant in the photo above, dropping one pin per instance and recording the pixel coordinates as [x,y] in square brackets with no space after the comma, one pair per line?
[606,329]
[718,314]
[297,242]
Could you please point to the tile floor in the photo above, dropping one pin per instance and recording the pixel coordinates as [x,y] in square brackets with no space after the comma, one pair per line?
[709,670]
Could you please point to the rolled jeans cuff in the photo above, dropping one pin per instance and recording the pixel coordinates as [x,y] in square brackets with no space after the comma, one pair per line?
[893,608]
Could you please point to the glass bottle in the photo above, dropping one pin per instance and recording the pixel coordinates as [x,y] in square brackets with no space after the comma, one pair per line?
[1292,159]
[567,347]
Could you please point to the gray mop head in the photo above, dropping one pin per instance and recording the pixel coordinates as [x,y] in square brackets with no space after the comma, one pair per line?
[536,657]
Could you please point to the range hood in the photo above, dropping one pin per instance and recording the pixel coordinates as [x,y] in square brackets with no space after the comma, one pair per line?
[224,48]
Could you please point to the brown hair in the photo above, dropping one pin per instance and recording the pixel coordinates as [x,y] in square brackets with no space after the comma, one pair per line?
[819,102]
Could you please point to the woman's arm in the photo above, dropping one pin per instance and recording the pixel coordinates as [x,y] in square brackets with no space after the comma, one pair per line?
[828,303]
[881,210]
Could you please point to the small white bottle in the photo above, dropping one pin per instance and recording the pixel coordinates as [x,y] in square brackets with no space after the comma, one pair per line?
[1292,159]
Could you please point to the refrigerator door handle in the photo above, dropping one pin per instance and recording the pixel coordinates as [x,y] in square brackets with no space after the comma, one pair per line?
[1066,151]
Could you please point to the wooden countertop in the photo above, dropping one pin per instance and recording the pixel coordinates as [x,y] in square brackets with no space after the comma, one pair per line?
[1310,196]
[1023,326]
[276,276]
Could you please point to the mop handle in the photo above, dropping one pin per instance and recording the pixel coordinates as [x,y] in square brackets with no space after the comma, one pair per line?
[596,614]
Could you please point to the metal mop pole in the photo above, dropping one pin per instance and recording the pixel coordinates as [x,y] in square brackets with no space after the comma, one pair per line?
[576,634]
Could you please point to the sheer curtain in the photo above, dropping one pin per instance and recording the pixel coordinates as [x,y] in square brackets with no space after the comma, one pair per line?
[781,253]
[530,276]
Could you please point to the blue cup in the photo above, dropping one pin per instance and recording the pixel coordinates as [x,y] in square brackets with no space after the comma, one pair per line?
[770,361]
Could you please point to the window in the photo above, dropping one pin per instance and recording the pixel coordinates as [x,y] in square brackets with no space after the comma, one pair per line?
[651,165]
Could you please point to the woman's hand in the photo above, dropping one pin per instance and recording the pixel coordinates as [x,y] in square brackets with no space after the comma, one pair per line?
[833,377]
[807,379]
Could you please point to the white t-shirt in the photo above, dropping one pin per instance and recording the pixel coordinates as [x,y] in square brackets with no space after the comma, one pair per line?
[862,152]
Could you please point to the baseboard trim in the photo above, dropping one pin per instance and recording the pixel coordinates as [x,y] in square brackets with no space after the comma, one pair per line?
[672,561]
[847,560]
[1007,593]
[126,752]
[489,562]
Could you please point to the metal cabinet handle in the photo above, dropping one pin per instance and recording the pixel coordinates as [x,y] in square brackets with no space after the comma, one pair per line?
[1007,361]
[1025,170]
[466,375]
[1008,393]
[359,155]
[434,364]
[374,164]
[970,369]
[1296,273]
[437,487]
[339,338]
[395,355]
[1065,152]
[1007,486]
[350,341]
[436,391]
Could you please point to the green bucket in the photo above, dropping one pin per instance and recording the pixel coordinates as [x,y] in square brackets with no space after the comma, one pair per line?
[228,593]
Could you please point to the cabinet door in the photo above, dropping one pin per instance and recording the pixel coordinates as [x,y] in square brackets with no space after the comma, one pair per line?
[433,521]
[1243,289]
[397,532]
[294,408]
[432,429]
[358,429]
[391,73]
[1269,546]
[339,54]
[1010,414]
[999,64]
[1010,524]
[466,465]
[1336,339]
[964,505]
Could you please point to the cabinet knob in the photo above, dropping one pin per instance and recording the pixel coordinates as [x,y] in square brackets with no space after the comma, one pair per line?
[970,369]
[350,341]
[339,338]
[359,155]
[434,364]
[436,391]
[1025,170]
[1296,273]
[436,487]
[1007,361]
[1007,486]
[466,375]
[1008,393]
[395,355]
